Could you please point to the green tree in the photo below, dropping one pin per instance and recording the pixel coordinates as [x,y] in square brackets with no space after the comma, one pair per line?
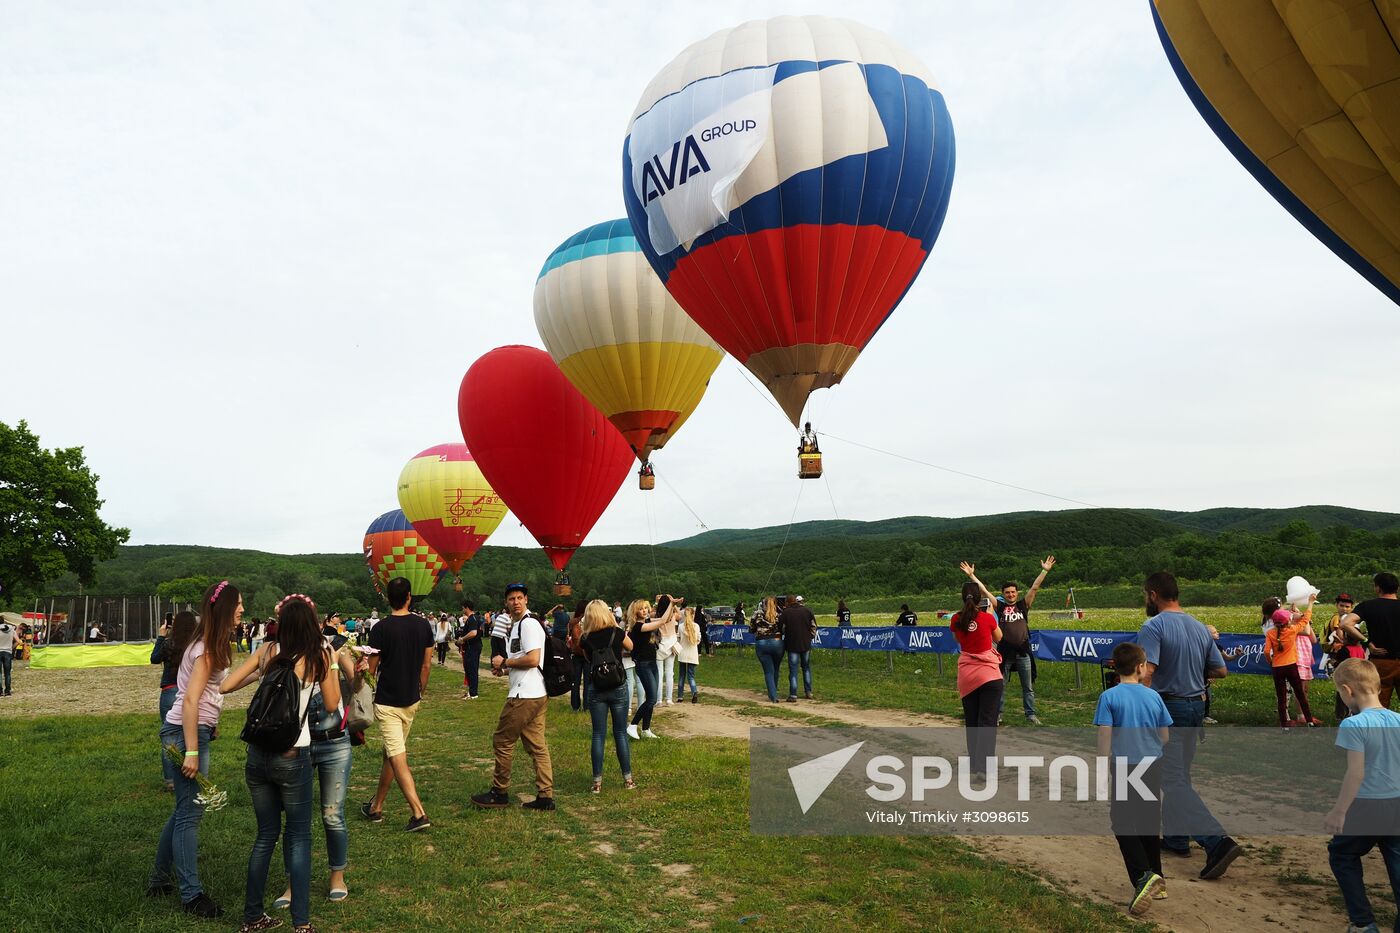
[185,589]
[49,522]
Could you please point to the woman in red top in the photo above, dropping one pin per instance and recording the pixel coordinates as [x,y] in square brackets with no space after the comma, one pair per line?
[979,676]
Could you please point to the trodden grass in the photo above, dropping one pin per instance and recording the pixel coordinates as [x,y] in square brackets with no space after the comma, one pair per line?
[83,809]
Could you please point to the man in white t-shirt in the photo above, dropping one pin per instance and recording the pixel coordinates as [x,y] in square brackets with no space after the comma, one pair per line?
[523,717]
[96,634]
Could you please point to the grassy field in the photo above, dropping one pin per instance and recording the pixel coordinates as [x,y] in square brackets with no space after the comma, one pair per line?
[864,678]
[83,809]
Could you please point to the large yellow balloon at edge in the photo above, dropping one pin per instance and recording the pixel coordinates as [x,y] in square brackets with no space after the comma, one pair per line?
[620,337]
[1306,94]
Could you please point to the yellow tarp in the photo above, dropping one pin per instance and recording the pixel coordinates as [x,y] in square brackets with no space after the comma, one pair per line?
[71,656]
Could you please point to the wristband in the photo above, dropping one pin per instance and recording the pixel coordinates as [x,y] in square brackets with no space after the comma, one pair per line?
[194,754]
[335,667]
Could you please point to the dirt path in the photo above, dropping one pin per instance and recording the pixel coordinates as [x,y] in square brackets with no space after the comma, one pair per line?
[1250,898]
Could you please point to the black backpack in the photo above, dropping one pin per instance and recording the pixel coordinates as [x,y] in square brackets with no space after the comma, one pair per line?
[607,671]
[558,665]
[274,720]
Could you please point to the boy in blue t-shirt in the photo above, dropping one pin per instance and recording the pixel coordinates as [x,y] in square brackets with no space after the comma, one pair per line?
[1133,721]
[1367,812]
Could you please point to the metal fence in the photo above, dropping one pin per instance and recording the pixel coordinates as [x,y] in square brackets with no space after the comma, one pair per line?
[68,620]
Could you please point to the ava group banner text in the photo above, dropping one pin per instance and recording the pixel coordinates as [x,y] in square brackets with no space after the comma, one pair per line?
[1047,645]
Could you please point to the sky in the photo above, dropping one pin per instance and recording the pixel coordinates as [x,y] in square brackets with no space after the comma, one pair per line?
[248,250]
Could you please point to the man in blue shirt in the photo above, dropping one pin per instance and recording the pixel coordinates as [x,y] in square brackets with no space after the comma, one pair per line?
[1367,813]
[1181,658]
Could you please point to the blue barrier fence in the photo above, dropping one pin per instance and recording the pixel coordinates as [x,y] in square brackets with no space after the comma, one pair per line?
[1048,645]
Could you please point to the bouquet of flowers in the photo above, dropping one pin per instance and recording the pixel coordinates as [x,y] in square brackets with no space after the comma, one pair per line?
[362,653]
[210,797]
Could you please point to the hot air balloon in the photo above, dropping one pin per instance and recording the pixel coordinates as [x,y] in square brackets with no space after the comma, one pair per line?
[553,457]
[1303,94]
[393,549]
[620,338]
[786,180]
[450,504]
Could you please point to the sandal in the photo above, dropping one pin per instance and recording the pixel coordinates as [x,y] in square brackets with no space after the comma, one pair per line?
[598,785]
[262,923]
[282,903]
[629,784]
[304,928]
[337,895]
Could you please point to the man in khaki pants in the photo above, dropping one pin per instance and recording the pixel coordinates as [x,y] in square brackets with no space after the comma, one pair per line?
[523,717]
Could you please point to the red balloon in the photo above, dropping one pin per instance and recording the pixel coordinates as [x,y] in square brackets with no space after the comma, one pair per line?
[553,457]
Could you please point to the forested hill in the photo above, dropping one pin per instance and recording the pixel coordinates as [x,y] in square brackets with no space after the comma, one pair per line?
[1228,555]
[1211,521]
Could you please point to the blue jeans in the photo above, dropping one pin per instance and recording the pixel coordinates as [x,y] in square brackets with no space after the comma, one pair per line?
[1185,815]
[1344,854]
[167,767]
[579,681]
[794,659]
[650,677]
[471,667]
[631,685]
[332,763]
[178,849]
[600,704]
[280,784]
[688,679]
[770,655]
[7,659]
[1022,668]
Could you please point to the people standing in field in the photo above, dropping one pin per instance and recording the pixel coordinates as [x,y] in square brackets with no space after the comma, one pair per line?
[9,637]
[1340,645]
[1013,618]
[189,727]
[689,635]
[799,627]
[667,644]
[578,679]
[1181,658]
[279,779]
[702,622]
[603,641]
[469,637]
[175,635]
[979,676]
[1281,648]
[523,716]
[645,623]
[1382,636]
[403,662]
[442,638]
[843,615]
[1367,812]
[1132,726]
[768,644]
[906,616]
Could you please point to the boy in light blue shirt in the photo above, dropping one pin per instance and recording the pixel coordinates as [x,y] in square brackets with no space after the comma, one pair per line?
[1133,721]
[1367,812]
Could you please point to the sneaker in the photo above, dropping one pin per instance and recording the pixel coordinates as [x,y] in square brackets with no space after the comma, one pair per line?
[201,905]
[632,732]
[793,698]
[262,923]
[1357,928]
[648,734]
[491,799]
[418,823]
[1220,858]
[539,803]
[473,697]
[1142,898]
[1211,722]
[1034,720]
[695,698]
[1161,894]
[999,720]
[374,816]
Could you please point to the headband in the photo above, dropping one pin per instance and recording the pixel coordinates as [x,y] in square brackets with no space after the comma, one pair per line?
[217,590]
[291,596]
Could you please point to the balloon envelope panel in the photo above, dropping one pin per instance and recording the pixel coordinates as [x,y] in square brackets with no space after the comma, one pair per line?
[1305,95]
[393,549]
[787,179]
[619,336]
[445,496]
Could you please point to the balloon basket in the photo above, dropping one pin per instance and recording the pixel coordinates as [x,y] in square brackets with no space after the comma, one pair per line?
[646,480]
[809,466]
[457,585]
[563,589]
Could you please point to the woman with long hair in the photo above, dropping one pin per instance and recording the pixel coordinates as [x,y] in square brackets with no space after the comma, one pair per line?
[688,654]
[442,637]
[979,675]
[176,633]
[578,681]
[280,782]
[667,645]
[192,722]
[600,632]
[768,644]
[644,623]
